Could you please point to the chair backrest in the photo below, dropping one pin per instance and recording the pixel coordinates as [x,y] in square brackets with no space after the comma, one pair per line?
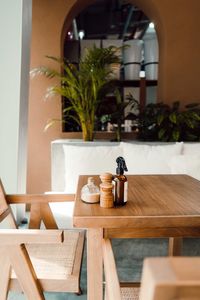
[39,210]
[171,278]
[5,209]
[163,278]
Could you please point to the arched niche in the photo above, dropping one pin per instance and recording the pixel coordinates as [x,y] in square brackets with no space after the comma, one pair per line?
[147,7]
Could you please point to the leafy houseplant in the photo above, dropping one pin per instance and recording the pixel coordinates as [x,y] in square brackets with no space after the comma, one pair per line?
[84,86]
[118,116]
[170,124]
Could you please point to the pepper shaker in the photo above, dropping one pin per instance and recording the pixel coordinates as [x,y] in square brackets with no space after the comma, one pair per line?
[106,191]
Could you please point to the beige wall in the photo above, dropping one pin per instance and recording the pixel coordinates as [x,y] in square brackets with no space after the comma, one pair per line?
[48,19]
[177,25]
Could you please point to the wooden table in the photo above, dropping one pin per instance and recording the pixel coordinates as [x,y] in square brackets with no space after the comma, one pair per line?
[158,206]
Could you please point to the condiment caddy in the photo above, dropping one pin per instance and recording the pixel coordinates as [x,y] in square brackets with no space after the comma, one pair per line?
[113,188]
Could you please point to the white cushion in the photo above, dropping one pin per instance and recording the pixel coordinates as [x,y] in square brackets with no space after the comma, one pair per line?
[186,164]
[62,212]
[149,159]
[191,148]
[88,160]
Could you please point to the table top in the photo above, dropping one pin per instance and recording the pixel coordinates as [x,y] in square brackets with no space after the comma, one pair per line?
[153,201]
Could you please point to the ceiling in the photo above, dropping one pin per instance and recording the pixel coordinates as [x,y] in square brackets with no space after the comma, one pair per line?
[114,19]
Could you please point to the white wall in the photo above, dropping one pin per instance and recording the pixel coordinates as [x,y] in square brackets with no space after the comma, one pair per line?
[15,32]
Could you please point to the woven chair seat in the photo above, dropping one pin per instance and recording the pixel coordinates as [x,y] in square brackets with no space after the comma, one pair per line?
[130,293]
[54,261]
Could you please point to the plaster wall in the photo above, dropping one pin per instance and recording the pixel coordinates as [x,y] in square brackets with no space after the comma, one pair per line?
[179,71]
[48,17]
[177,26]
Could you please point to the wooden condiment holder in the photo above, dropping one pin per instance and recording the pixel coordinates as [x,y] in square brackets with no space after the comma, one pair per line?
[106,191]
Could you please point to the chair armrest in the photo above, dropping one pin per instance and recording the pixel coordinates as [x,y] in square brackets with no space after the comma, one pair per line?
[39,198]
[30,236]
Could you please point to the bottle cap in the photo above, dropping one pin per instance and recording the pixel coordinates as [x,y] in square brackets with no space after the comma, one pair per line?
[121,165]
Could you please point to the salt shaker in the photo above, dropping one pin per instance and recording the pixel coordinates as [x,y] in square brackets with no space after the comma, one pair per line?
[106,191]
[90,192]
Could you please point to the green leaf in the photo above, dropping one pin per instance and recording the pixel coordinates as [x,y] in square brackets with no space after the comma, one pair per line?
[195,116]
[161,133]
[191,137]
[67,109]
[175,135]
[173,117]
[160,119]
[189,123]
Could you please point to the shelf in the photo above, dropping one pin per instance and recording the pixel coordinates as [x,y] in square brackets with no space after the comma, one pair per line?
[99,135]
[141,83]
[135,83]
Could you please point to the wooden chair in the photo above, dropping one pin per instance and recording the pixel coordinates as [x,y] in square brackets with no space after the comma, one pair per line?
[34,260]
[163,278]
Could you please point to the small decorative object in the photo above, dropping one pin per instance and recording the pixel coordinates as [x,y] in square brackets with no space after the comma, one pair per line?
[106,191]
[120,183]
[90,192]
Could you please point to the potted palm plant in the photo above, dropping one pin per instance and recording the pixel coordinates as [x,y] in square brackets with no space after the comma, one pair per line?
[84,86]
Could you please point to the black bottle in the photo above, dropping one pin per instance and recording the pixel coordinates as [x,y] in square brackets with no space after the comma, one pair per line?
[120,183]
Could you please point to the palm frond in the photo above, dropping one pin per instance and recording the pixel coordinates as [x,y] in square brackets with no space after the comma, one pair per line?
[51,122]
[84,87]
[47,72]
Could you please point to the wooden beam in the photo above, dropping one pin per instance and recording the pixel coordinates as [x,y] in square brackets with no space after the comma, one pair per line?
[112,280]
[23,236]
[47,216]
[35,216]
[39,198]
[94,263]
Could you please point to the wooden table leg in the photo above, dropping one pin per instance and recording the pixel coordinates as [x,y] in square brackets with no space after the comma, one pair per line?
[175,246]
[94,264]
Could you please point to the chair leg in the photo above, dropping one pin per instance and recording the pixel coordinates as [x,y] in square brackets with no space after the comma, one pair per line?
[25,273]
[175,246]
[79,293]
[4,274]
